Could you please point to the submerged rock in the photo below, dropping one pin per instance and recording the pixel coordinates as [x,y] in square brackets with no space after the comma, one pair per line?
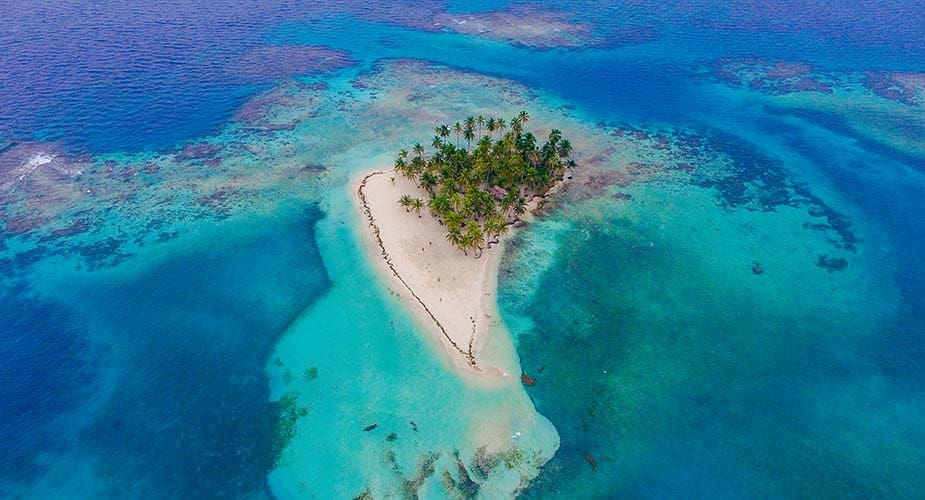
[263,64]
[831,264]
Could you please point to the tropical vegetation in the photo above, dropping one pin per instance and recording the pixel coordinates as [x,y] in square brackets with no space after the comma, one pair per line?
[477,184]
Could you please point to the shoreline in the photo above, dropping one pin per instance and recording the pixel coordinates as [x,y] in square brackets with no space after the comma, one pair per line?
[387,259]
[452,295]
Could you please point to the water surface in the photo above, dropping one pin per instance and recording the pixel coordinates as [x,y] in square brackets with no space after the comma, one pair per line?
[188,314]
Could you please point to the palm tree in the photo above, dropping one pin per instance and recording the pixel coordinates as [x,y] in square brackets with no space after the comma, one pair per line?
[501,125]
[429,181]
[406,201]
[508,201]
[495,225]
[418,149]
[457,200]
[555,135]
[417,204]
[405,168]
[417,166]
[468,134]
[529,142]
[480,120]
[520,206]
[492,126]
[465,243]
[458,128]
[564,149]
[454,236]
[474,235]
[523,117]
[440,205]
[437,143]
[454,220]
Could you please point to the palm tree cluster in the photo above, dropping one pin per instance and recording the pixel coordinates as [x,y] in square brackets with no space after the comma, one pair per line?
[476,191]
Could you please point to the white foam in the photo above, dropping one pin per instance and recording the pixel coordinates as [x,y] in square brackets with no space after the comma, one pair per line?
[39,159]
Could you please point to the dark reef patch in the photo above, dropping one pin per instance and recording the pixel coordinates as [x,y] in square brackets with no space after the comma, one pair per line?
[268,63]
[22,224]
[218,199]
[197,152]
[409,487]
[906,88]
[100,254]
[756,181]
[462,485]
[742,175]
[267,112]
[26,258]
[838,125]
[772,77]
[831,264]
[286,411]
[78,226]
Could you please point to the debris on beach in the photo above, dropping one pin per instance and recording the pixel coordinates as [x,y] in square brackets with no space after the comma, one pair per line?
[527,380]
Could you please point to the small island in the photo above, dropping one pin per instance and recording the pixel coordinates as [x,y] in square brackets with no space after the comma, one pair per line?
[480,177]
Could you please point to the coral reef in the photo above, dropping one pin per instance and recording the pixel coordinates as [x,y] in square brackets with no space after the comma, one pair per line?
[790,77]
[265,64]
[525,26]
[462,486]
[288,411]
[283,107]
[772,77]
[831,264]
[410,486]
[904,87]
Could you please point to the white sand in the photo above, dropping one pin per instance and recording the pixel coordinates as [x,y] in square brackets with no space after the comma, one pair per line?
[450,293]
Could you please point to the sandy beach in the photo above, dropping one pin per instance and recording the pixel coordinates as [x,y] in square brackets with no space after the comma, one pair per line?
[450,293]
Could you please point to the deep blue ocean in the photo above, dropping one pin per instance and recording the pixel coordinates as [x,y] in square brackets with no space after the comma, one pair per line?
[149,361]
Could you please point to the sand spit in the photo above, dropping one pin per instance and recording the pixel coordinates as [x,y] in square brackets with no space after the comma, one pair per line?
[450,292]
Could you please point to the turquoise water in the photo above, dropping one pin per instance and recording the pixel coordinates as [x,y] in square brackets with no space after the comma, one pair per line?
[164,358]
[726,301]
[696,377]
